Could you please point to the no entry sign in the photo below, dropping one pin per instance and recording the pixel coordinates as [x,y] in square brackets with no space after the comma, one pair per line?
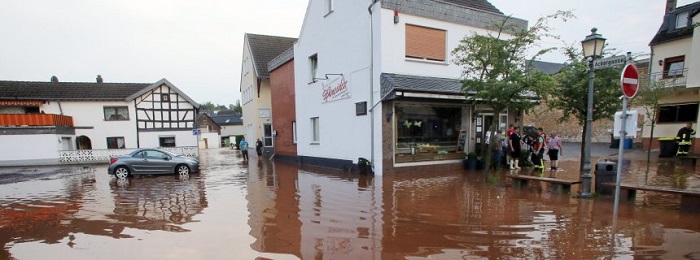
[629,81]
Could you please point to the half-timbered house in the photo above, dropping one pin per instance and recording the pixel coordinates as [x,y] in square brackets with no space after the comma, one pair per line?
[41,122]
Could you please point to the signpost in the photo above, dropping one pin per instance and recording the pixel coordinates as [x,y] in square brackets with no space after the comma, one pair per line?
[610,62]
[629,83]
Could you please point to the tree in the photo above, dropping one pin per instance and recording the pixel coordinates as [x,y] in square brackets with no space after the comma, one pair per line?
[570,92]
[649,96]
[237,107]
[207,106]
[497,71]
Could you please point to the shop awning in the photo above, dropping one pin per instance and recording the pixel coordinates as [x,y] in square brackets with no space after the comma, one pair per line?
[394,85]
[24,103]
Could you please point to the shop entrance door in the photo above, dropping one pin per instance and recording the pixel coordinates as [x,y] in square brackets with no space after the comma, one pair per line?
[483,124]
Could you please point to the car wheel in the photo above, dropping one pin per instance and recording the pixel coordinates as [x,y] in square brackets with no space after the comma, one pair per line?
[121,172]
[183,169]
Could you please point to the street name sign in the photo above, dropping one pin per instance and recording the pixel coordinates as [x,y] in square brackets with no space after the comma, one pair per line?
[610,62]
[629,80]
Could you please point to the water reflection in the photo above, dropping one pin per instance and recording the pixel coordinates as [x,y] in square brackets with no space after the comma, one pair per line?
[54,209]
[158,202]
[449,215]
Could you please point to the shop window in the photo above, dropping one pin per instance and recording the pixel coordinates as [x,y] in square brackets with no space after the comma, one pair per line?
[167,141]
[425,43]
[427,132]
[115,143]
[315,133]
[116,113]
[678,113]
[673,67]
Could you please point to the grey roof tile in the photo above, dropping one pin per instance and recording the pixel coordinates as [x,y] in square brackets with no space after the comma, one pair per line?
[547,67]
[475,13]
[32,90]
[264,48]
[228,119]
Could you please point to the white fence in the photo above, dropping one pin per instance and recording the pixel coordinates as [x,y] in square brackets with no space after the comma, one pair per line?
[77,156]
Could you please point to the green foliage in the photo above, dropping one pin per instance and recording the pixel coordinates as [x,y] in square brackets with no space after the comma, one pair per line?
[211,106]
[571,91]
[237,107]
[497,70]
[238,141]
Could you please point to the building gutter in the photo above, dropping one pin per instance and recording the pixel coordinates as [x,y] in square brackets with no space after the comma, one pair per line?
[371,80]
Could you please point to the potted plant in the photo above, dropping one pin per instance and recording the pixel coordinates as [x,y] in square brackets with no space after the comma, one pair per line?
[471,162]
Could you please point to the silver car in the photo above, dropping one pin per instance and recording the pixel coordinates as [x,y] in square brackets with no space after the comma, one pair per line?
[151,161]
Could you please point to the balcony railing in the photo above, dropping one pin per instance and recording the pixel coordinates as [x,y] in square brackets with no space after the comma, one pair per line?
[35,120]
[677,78]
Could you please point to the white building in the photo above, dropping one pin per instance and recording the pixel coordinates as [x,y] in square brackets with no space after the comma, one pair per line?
[376,81]
[38,120]
[675,62]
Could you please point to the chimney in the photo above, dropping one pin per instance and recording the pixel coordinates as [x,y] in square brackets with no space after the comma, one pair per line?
[670,6]
[99,79]
[54,79]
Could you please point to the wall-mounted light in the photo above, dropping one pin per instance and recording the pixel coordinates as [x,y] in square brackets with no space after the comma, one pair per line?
[661,62]
[396,17]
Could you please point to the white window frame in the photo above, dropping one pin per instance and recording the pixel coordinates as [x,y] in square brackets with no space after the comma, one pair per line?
[294,132]
[315,133]
[682,20]
[313,67]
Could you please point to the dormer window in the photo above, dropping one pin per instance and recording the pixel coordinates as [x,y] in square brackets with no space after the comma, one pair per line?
[682,20]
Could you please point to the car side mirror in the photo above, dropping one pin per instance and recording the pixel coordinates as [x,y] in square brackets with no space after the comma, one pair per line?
[167,158]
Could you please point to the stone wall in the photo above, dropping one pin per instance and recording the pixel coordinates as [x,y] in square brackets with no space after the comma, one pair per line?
[570,130]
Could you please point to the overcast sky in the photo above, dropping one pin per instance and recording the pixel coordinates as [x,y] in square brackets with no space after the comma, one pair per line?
[197,45]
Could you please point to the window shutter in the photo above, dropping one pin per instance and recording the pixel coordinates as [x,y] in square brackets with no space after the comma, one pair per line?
[425,43]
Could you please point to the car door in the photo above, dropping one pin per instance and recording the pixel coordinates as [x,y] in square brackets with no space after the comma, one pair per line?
[158,162]
[138,162]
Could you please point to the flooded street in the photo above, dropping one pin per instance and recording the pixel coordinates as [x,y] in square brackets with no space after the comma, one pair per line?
[274,210]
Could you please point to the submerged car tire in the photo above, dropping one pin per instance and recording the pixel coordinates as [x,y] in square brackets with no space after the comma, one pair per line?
[121,172]
[182,169]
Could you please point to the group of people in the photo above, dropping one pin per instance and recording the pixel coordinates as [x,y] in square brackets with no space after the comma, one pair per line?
[512,144]
[244,148]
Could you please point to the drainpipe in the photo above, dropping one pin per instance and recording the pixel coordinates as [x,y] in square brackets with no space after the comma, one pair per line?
[60,109]
[371,80]
[138,139]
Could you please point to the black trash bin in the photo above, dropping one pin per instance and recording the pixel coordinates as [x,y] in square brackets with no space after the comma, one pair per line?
[667,147]
[605,171]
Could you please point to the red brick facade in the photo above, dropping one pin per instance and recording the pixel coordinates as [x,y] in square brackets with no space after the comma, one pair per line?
[283,111]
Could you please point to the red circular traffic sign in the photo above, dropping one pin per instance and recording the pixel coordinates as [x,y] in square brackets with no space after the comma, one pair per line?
[629,81]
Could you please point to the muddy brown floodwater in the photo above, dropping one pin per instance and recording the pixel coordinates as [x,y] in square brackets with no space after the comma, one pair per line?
[274,210]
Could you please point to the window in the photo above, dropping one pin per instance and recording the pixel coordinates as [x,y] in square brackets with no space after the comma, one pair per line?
[329,7]
[673,67]
[267,135]
[315,135]
[681,20]
[115,143]
[116,113]
[294,131]
[678,113]
[245,66]
[167,141]
[313,67]
[151,154]
[425,43]
[165,97]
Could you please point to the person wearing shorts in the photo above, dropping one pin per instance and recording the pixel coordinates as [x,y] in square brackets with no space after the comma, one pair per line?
[514,145]
[555,149]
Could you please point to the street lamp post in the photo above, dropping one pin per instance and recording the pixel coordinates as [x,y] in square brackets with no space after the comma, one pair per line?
[592,49]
